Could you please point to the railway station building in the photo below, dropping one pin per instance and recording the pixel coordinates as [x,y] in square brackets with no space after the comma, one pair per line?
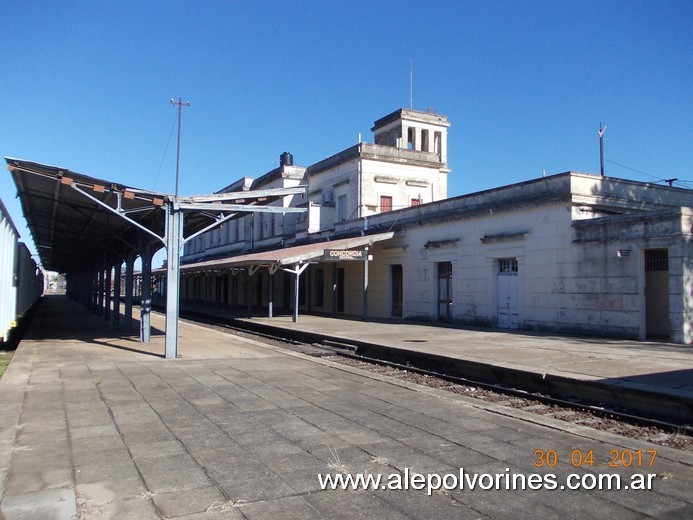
[566,253]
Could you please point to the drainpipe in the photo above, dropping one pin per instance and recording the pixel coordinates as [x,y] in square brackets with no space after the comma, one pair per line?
[360,184]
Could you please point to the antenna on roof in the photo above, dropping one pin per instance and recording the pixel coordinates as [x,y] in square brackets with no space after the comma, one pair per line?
[602,129]
[411,85]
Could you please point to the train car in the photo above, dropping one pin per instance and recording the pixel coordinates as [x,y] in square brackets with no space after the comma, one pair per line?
[21,279]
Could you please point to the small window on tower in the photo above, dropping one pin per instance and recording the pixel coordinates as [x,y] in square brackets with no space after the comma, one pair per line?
[385,204]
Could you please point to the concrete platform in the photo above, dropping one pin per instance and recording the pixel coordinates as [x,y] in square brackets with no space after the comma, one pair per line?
[96,425]
[651,378]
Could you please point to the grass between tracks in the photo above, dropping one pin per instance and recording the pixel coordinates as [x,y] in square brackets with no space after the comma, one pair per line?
[5,358]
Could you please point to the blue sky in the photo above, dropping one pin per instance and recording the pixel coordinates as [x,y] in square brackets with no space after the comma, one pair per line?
[86,86]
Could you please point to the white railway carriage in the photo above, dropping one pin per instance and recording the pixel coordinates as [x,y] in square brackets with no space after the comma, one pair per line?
[21,279]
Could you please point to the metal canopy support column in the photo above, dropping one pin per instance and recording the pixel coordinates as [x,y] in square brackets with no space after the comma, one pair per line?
[234,290]
[146,293]
[174,240]
[94,296]
[99,287]
[116,291]
[271,269]
[365,286]
[107,291]
[296,271]
[91,295]
[249,295]
[334,289]
[270,294]
[296,284]
[129,288]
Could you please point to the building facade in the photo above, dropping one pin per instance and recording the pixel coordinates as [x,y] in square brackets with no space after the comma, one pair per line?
[571,253]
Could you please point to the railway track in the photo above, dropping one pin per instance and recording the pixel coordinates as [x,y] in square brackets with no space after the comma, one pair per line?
[632,425]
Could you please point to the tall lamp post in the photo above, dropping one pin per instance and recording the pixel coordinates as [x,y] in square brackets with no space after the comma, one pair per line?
[180,105]
[174,240]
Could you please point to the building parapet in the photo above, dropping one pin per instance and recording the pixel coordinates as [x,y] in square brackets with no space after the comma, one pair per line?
[668,222]
[547,190]
[573,187]
[377,152]
[625,193]
[411,115]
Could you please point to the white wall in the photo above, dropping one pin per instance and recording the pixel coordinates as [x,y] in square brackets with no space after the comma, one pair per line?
[570,280]
[402,183]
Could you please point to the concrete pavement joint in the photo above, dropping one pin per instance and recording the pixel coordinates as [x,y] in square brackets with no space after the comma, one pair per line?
[682,456]
[120,433]
[246,428]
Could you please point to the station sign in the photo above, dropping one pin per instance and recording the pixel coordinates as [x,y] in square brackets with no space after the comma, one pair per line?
[339,255]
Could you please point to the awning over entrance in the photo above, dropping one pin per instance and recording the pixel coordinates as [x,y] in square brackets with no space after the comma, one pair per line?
[291,259]
[290,256]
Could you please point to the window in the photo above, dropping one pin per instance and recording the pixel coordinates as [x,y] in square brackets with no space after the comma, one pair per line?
[267,225]
[507,265]
[232,229]
[385,204]
[657,260]
[416,202]
[341,208]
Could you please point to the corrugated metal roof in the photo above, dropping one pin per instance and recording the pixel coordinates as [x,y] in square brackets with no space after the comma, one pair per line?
[287,256]
[69,228]
[71,225]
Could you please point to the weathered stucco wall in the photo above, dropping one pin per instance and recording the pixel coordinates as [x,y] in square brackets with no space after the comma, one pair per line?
[575,277]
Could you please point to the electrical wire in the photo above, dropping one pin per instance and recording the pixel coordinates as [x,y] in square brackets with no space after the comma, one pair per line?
[683,183]
[173,125]
[659,179]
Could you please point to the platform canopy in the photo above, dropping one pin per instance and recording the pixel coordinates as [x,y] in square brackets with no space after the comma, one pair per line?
[288,256]
[73,217]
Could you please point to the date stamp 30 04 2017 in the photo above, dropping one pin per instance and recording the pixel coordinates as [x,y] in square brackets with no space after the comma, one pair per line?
[578,458]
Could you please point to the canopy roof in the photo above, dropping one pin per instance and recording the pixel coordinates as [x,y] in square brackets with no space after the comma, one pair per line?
[75,218]
[286,256]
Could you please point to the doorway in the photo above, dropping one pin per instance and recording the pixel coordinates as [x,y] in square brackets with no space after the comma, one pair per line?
[396,292]
[507,293]
[445,291]
[340,290]
[657,294]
